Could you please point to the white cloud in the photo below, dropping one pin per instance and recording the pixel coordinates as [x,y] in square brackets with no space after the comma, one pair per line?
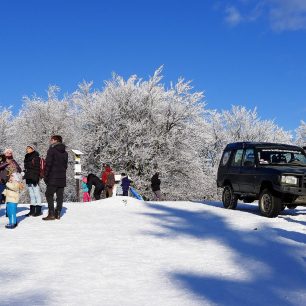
[283,15]
[287,14]
[233,16]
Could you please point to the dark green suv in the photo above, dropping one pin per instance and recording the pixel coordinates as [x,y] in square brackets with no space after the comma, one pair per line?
[274,174]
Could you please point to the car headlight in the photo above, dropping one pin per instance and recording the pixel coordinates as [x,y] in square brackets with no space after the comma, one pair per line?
[290,180]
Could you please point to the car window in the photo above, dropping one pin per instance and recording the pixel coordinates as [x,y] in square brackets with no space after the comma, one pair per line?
[248,158]
[277,156]
[237,158]
[225,157]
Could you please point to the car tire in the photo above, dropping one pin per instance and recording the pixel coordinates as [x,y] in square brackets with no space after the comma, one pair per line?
[269,205]
[229,199]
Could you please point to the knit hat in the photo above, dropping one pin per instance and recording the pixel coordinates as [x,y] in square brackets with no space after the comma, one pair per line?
[84,179]
[32,146]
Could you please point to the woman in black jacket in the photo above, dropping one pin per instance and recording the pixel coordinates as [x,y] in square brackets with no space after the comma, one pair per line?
[93,180]
[155,185]
[31,175]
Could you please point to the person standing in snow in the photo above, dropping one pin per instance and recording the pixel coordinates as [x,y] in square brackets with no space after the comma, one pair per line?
[155,185]
[55,176]
[3,176]
[11,192]
[125,184]
[84,186]
[31,176]
[93,180]
[108,179]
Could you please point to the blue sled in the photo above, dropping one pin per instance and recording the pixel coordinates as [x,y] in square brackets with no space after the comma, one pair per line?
[135,194]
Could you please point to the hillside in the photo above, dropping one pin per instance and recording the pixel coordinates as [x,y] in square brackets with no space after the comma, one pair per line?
[122,251]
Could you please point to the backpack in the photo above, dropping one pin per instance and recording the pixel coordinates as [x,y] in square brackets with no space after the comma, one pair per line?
[110,182]
[42,167]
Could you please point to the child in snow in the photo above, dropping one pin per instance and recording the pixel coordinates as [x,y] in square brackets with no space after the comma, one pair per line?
[86,196]
[125,184]
[11,192]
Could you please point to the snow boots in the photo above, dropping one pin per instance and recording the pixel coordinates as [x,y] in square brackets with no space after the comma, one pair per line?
[57,214]
[35,211]
[32,211]
[11,209]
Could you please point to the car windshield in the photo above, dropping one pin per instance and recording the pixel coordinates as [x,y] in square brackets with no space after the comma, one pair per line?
[281,157]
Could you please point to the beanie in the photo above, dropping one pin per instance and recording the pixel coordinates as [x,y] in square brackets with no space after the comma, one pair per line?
[32,146]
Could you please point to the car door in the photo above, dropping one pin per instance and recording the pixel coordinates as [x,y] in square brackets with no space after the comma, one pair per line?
[247,172]
[234,169]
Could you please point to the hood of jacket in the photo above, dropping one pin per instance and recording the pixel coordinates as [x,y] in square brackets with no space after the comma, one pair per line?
[59,147]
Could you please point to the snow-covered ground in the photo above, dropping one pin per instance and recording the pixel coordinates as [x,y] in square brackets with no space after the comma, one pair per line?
[122,251]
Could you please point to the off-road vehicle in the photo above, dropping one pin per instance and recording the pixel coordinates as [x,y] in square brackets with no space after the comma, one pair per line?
[273,174]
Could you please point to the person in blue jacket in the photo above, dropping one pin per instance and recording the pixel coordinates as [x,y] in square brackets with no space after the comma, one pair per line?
[125,184]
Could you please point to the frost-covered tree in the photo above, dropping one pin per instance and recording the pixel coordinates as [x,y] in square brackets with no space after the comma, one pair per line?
[301,134]
[38,120]
[5,127]
[140,127]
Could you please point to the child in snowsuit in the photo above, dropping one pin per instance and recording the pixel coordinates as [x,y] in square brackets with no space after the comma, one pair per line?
[11,192]
[86,196]
[125,184]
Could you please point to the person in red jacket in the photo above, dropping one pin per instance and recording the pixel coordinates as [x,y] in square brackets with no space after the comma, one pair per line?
[108,179]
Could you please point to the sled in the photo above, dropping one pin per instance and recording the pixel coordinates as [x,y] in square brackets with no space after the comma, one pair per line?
[135,194]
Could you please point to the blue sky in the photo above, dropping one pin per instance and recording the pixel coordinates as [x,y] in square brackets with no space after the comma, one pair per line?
[243,52]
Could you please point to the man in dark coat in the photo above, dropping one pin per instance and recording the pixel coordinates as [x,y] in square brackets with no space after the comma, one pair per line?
[93,180]
[55,176]
[155,185]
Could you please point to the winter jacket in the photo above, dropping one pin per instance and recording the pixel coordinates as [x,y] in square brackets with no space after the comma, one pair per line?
[84,187]
[11,192]
[125,184]
[155,182]
[56,165]
[4,172]
[93,180]
[110,182]
[32,167]
[11,167]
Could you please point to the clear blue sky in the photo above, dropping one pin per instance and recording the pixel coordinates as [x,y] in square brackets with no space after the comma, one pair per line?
[242,52]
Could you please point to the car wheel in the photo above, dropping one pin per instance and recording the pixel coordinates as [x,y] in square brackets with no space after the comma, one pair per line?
[229,199]
[269,205]
[292,206]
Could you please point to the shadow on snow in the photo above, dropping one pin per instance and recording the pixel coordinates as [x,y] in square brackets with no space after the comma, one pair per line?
[280,273]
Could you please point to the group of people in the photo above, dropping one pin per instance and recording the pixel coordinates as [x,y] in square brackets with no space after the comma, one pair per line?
[11,176]
[54,175]
[105,186]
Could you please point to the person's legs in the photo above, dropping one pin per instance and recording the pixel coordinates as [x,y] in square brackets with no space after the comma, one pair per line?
[31,193]
[97,193]
[11,212]
[157,195]
[110,192]
[87,197]
[50,199]
[125,193]
[37,195]
[59,199]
